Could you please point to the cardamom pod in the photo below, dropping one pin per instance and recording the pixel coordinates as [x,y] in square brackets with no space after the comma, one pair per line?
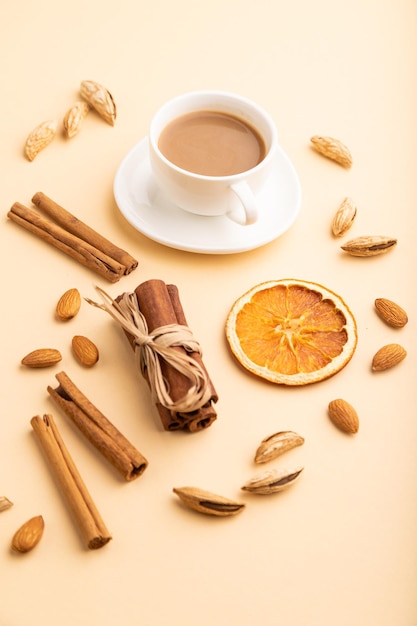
[277,444]
[207,502]
[272,481]
[369,245]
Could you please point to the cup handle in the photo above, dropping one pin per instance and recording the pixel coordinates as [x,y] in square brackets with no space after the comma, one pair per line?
[247,199]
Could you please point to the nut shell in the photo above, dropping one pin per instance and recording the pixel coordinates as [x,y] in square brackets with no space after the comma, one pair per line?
[273,446]
[74,118]
[333,149]
[272,481]
[369,245]
[5,503]
[207,502]
[39,138]
[344,217]
[100,99]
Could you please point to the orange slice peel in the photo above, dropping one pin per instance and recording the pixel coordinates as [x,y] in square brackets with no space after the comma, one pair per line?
[291,332]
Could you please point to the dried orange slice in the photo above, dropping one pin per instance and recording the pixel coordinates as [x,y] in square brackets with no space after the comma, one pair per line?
[291,332]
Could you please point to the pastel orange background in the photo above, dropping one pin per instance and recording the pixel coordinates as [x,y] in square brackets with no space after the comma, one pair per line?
[340,546]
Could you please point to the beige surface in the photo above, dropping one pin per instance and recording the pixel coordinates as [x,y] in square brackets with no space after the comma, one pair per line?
[339,548]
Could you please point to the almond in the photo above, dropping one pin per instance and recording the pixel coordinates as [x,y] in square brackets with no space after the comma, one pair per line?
[207,502]
[5,503]
[344,217]
[85,351]
[44,357]
[369,245]
[68,305]
[74,118]
[273,446]
[388,356]
[100,99]
[344,416]
[391,312]
[39,138]
[28,535]
[332,149]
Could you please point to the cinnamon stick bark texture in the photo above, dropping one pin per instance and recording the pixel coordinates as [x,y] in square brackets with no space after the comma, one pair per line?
[78,228]
[71,236]
[161,306]
[72,486]
[99,431]
[206,413]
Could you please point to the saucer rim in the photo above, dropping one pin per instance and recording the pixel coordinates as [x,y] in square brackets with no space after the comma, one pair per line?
[120,184]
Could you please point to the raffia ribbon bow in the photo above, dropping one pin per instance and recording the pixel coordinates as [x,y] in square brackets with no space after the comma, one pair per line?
[151,347]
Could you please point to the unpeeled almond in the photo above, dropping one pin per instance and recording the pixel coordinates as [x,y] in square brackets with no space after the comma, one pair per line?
[43,357]
[391,312]
[85,351]
[68,305]
[388,356]
[28,535]
[344,416]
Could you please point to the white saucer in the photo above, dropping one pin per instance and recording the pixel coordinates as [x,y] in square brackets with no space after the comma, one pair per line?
[146,208]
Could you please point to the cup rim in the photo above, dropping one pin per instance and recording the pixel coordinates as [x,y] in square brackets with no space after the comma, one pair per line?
[210,92]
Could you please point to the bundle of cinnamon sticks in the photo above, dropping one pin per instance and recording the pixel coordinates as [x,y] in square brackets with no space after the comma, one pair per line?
[181,387]
[160,305]
[73,237]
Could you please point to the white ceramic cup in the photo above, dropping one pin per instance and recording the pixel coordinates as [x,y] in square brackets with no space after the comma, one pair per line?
[235,195]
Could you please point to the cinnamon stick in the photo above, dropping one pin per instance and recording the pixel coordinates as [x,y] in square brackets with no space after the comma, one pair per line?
[74,247]
[74,491]
[99,431]
[78,228]
[160,305]
[206,414]
[73,237]
[156,307]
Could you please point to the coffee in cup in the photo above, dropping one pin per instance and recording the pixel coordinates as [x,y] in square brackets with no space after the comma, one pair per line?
[212,143]
[211,152]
